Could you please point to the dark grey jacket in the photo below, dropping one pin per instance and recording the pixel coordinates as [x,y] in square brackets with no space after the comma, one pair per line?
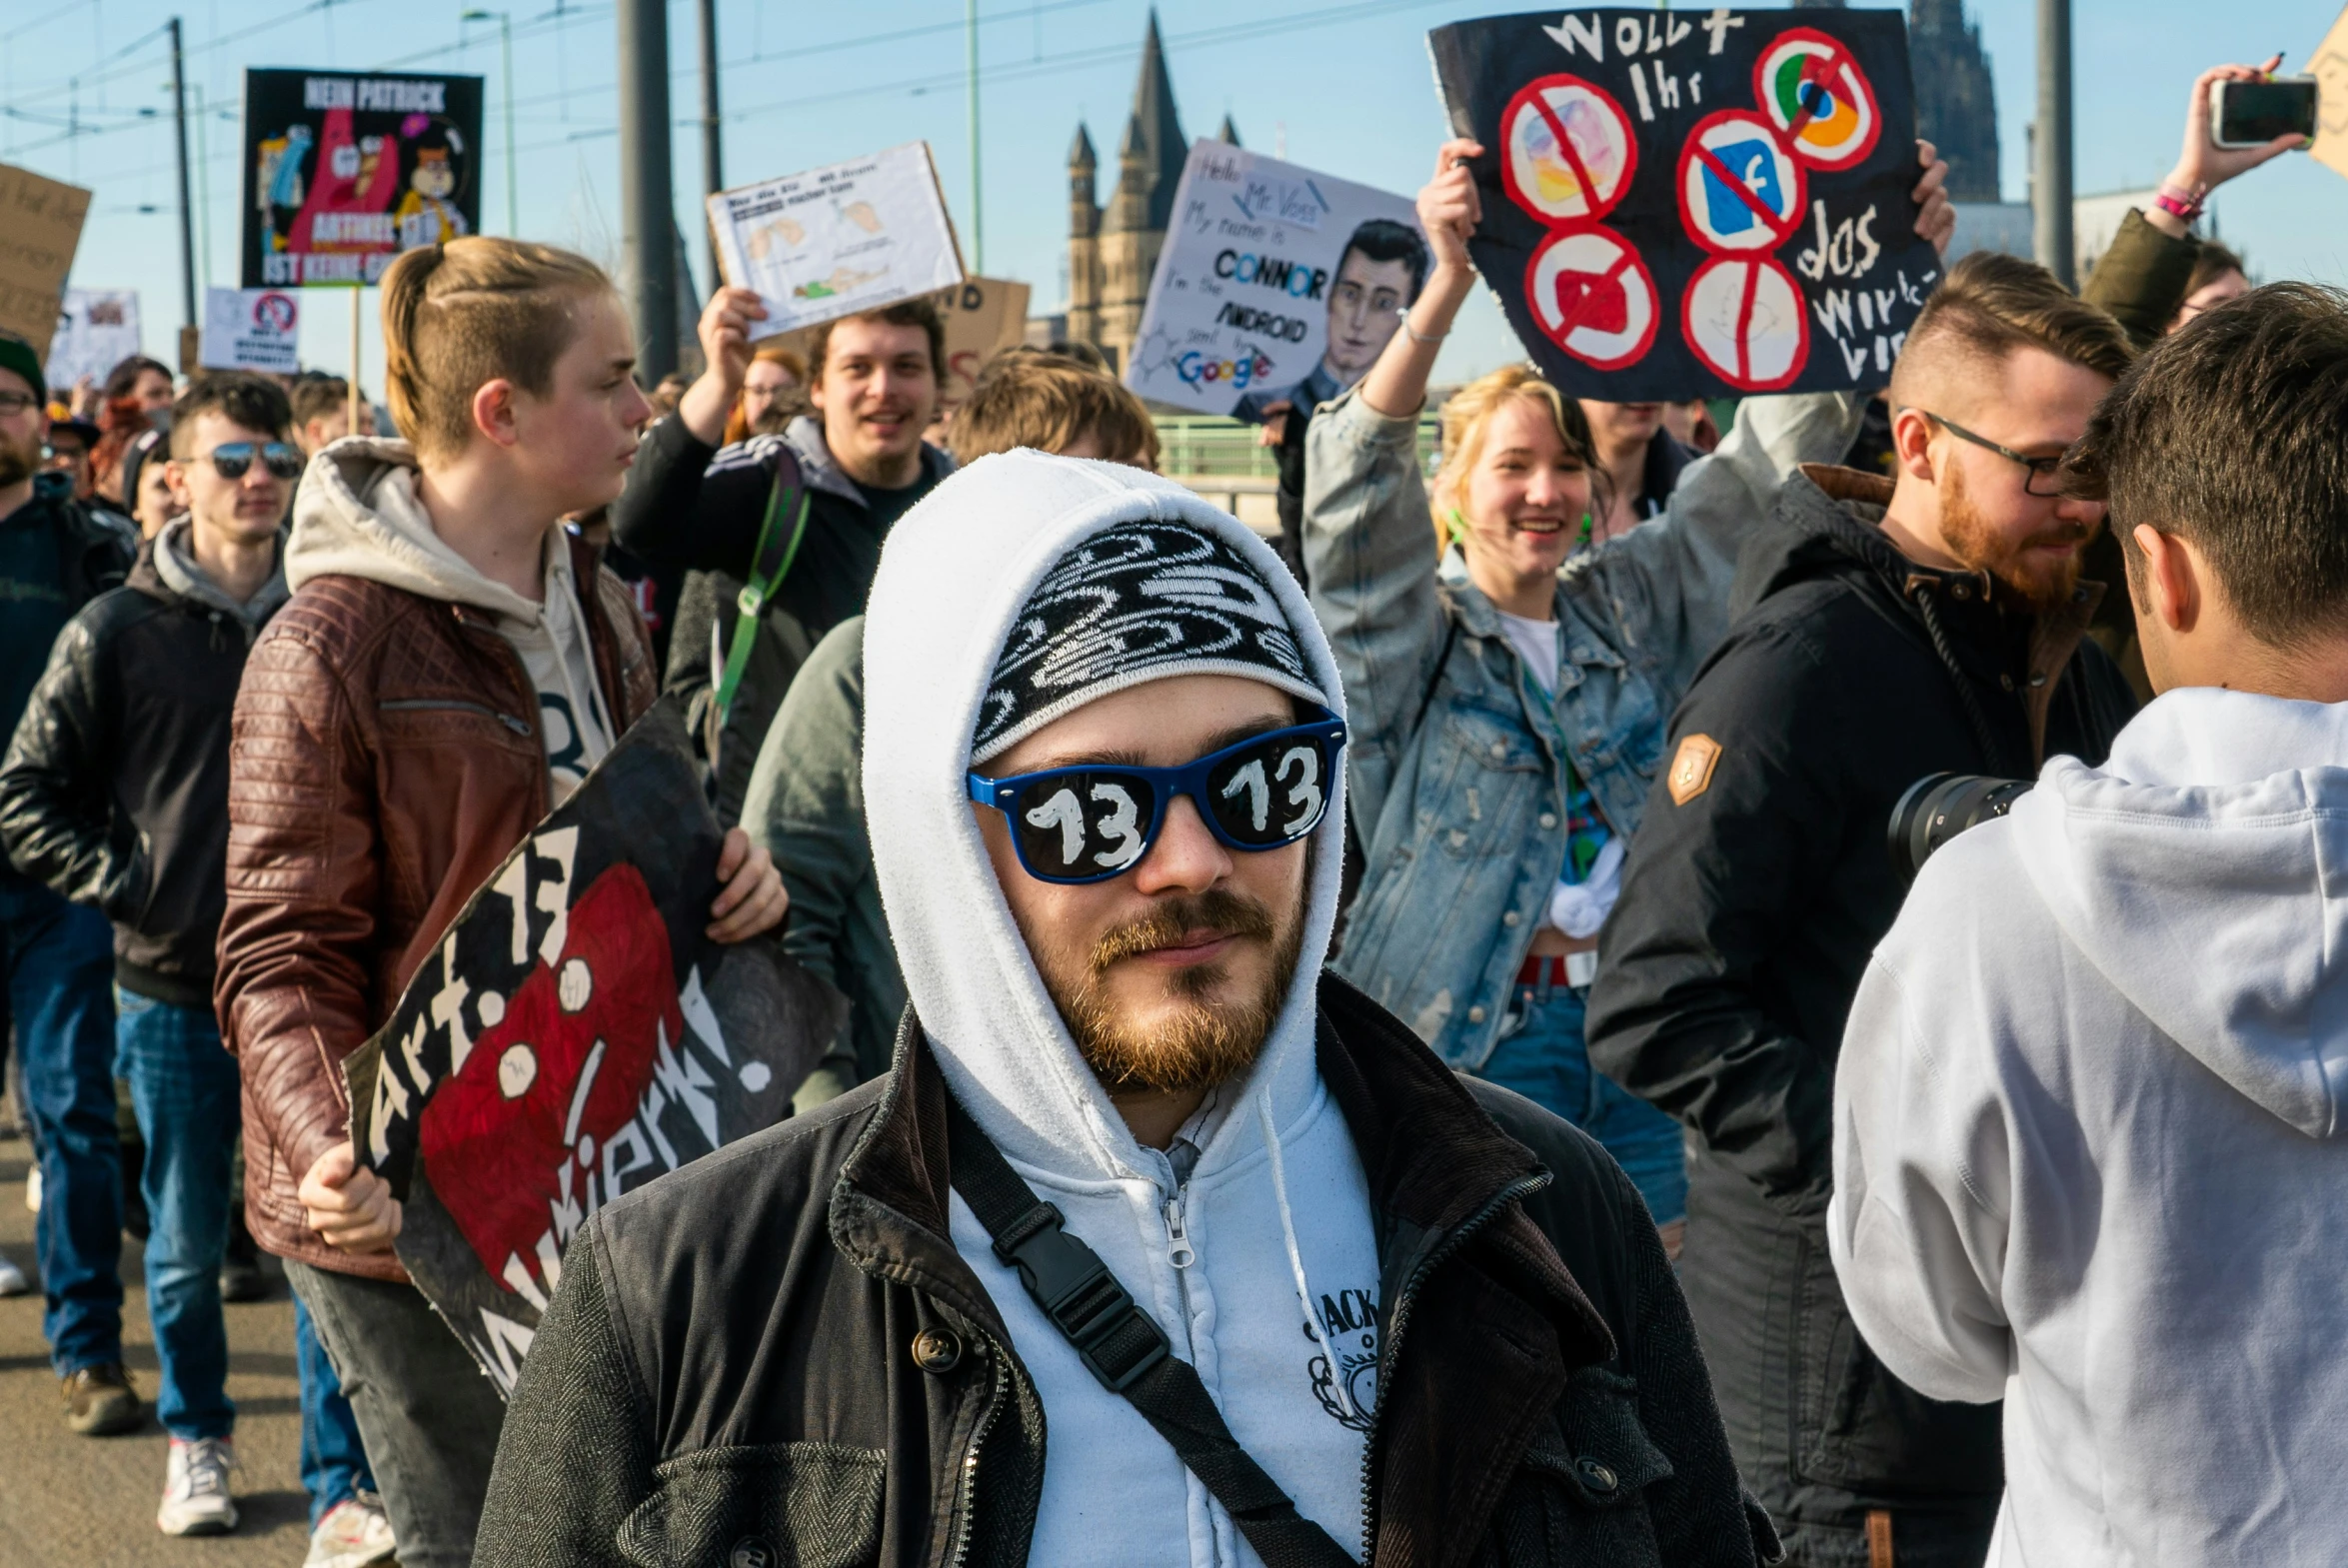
[776,1355]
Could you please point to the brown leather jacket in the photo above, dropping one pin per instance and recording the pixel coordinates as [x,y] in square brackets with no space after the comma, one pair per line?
[385,758]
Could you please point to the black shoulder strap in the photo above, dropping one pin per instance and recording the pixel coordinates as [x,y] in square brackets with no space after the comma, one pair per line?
[1436,677]
[1127,1350]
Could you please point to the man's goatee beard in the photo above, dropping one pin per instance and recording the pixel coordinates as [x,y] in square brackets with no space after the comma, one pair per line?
[1206,1045]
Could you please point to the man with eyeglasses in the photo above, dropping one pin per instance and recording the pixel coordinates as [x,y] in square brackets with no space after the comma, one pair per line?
[115,794]
[1890,628]
[1143,1177]
[57,554]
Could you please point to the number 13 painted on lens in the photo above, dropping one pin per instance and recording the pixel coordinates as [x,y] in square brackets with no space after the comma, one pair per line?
[1305,793]
[1123,823]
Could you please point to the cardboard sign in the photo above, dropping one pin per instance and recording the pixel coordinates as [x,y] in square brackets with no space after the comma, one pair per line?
[1276,285]
[575,1036]
[40,224]
[345,170]
[252,329]
[2329,66]
[833,241]
[97,328]
[983,316]
[1679,203]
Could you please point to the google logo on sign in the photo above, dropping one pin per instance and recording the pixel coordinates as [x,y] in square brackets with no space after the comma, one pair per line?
[1195,368]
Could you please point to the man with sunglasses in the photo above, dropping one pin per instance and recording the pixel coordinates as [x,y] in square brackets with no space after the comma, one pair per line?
[1893,627]
[1143,1177]
[115,794]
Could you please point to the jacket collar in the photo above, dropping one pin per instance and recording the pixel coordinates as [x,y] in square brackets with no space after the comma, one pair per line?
[818,469]
[165,570]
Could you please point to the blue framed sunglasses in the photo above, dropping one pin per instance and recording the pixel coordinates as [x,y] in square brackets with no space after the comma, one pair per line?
[1090,823]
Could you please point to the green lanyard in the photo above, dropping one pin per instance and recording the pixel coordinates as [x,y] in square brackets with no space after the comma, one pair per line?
[766,576]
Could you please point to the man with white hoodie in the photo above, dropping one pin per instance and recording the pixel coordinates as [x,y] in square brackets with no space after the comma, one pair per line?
[1157,1245]
[2088,1120]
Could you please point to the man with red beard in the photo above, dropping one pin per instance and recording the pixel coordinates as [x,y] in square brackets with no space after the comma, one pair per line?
[1158,1245]
[1886,630]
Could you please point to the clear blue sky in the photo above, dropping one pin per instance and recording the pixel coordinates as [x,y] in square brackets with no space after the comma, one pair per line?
[1343,83]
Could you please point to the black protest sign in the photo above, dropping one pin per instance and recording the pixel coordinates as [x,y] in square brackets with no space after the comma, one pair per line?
[574,1035]
[1691,202]
[343,170]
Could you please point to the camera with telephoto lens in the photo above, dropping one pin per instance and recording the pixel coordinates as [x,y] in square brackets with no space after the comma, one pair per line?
[1938,807]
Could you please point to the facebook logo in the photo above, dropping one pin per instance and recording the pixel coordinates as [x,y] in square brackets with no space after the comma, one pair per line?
[1754,163]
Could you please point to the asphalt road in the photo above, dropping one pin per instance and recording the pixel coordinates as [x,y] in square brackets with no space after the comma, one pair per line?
[91,1501]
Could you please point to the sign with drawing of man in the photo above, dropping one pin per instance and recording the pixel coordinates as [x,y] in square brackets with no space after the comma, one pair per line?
[1277,286]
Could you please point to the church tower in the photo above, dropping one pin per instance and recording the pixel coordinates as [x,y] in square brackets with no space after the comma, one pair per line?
[1113,253]
[1956,101]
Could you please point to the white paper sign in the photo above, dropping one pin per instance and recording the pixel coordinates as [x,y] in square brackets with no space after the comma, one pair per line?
[97,328]
[252,329]
[1276,285]
[833,241]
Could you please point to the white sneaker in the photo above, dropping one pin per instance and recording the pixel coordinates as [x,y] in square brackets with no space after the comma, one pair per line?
[195,1488]
[354,1532]
[32,1190]
[12,1280]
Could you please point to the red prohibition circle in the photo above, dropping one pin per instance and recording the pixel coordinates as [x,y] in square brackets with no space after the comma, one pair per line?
[1741,372]
[1842,75]
[1610,284]
[1777,228]
[1532,98]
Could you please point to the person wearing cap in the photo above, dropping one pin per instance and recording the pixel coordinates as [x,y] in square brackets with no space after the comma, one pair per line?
[1144,1176]
[56,555]
[145,488]
[68,450]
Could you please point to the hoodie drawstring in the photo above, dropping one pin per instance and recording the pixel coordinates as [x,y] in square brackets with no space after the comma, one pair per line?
[1280,1193]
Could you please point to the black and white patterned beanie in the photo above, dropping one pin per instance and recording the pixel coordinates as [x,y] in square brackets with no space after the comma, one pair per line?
[1134,603]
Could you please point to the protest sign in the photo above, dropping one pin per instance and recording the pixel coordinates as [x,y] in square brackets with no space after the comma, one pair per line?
[574,1035]
[1276,285]
[343,170]
[2329,66]
[983,316]
[1679,203]
[97,328]
[251,328]
[833,241]
[40,224]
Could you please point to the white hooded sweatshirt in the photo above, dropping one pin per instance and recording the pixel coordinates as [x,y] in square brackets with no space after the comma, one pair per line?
[357,515]
[2088,1150]
[1215,1261]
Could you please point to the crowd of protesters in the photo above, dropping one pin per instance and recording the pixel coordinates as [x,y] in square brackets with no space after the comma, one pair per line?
[1399,1043]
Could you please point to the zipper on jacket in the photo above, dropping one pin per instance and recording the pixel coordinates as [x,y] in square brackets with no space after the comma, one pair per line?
[1391,1352]
[967,1487]
[419,703]
[1178,1251]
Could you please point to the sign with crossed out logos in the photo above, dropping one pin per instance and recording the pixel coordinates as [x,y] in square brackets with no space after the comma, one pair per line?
[1739,177]
[574,1035]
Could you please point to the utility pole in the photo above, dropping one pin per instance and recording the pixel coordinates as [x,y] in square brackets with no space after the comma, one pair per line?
[505,21]
[648,223]
[970,54]
[2050,144]
[187,209]
[712,141]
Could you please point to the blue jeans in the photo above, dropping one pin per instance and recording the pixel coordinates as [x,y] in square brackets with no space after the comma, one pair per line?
[185,1090]
[1541,1055]
[59,960]
[334,1461]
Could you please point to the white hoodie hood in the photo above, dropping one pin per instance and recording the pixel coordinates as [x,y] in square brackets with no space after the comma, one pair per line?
[2087,1152]
[952,579]
[358,514]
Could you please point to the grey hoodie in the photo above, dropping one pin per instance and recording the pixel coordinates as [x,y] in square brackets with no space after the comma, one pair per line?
[358,514]
[2088,1145]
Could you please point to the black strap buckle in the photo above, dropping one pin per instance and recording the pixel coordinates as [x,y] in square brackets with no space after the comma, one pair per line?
[1118,1342]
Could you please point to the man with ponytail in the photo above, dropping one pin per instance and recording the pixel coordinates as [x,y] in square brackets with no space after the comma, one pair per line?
[451,665]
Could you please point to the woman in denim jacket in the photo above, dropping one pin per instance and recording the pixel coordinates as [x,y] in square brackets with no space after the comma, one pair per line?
[1507,708]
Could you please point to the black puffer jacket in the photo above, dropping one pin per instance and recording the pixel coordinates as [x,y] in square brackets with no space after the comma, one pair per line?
[729,1371]
[1756,890]
[115,788]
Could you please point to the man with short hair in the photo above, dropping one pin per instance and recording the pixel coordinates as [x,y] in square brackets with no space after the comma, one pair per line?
[322,413]
[2087,1128]
[115,794]
[1379,276]
[56,555]
[1889,628]
[860,464]
[68,449]
[806,804]
[1157,1244]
